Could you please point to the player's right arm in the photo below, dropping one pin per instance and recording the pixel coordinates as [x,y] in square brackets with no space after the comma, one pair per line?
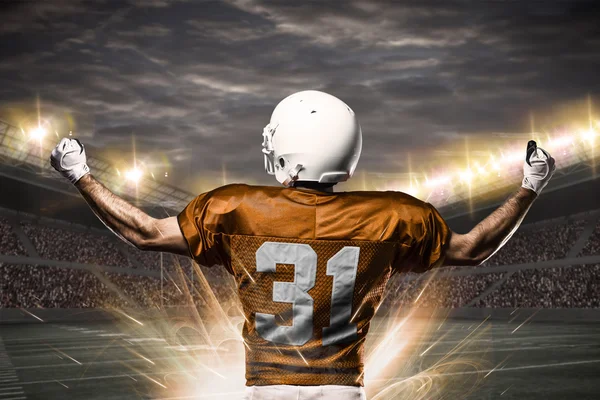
[493,232]
[126,221]
[130,223]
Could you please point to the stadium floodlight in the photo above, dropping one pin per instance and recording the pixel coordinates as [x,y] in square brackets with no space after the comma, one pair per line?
[18,154]
[588,135]
[480,169]
[134,175]
[466,176]
[38,133]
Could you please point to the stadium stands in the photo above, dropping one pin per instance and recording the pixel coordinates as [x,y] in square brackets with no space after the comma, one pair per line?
[27,286]
[151,260]
[9,243]
[449,292]
[531,286]
[592,247]
[529,246]
[566,287]
[69,245]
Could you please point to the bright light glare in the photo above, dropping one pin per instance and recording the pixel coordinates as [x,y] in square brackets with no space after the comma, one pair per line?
[466,176]
[561,142]
[588,135]
[503,162]
[134,175]
[413,191]
[438,181]
[480,170]
[513,156]
[37,133]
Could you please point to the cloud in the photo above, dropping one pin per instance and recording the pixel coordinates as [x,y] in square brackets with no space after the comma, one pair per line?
[230,31]
[396,25]
[154,30]
[222,86]
[197,81]
[38,15]
[154,3]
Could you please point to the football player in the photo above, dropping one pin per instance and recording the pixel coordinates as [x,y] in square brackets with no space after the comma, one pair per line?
[310,264]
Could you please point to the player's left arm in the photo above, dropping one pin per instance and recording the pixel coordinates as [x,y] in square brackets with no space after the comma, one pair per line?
[493,232]
[128,222]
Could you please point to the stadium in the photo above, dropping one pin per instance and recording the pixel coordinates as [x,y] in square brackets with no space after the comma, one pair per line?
[455,100]
[104,316]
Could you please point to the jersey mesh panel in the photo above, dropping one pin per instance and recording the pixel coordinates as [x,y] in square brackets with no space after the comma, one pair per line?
[310,364]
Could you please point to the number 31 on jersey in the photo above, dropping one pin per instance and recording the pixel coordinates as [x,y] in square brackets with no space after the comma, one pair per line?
[342,267]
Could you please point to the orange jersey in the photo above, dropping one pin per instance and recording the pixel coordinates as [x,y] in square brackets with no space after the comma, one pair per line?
[311,268]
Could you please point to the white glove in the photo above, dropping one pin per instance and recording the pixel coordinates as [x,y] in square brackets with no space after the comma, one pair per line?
[68,158]
[538,168]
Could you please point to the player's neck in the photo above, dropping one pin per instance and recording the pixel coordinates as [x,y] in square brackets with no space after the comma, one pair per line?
[320,187]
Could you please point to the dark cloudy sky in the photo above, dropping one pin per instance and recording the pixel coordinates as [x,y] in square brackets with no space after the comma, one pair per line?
[196,81]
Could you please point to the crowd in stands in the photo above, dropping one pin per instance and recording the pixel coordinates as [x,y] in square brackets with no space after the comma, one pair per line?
[9,243]
[550,242]
[75,246]
[85,247]
[565,287]
[56,243]
[151,260]
[432,292]
[37,286]
[592,247]
[527,245]
[26,286]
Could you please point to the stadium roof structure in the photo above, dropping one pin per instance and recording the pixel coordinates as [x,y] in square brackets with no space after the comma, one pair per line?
[26,159]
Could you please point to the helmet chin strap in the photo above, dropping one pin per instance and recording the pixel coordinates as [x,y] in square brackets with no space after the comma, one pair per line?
[293,175]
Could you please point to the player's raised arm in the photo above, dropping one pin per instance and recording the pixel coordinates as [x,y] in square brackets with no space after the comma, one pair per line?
[493,232]
[128,222]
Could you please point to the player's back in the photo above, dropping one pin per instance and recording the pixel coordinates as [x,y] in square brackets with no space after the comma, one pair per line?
[311,268]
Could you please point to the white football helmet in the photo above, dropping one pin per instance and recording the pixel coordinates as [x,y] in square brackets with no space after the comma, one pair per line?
[313,136]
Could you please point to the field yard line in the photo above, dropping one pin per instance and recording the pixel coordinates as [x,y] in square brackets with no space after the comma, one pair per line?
[11,393]
[8,380]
